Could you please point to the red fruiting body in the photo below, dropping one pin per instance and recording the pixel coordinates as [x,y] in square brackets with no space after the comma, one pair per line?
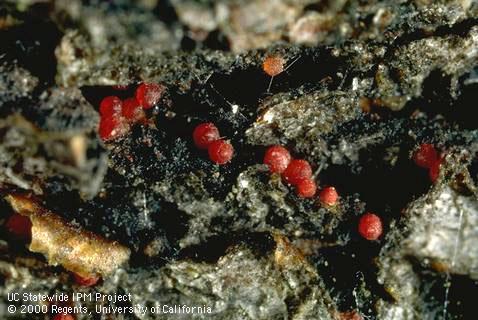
[20,226]
[273,65]
[110,106]
[132,110]
[306,188]
[204,134]
[370,226]
[85,282]
[109,127]
[350,315]
[296,171]
[434,171]
[220,151]
[425,156]
[328,196]
[148,94]
[62,316]
[277,158]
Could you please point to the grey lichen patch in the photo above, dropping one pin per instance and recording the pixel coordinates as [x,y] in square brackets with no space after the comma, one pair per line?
[67,111]
[192,199]
[312,28]
[302,121]
[132,66]
[259,199]
[247,31]
[435,235]
[74,56]
[402,77]
[15,83]
[270,291]
[200,17]
[447,240]
[26,274]
[399,280]
[262,202]
[44,155]
[108,24]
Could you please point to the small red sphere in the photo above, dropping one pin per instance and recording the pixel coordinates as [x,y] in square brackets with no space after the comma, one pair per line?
[434,171]
[63,316]
[273,65]
[110,106]
[204,134]
[220,151]
[148,94]
[306,188]
[132,110]
[425,156]
[85,282]
[370,226]
[297,170]
[112,127]
[108,127]
[328,196]
[350,315]
[277,158]
[20,226]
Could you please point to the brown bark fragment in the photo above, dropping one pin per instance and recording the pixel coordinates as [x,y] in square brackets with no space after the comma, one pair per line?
[77,250]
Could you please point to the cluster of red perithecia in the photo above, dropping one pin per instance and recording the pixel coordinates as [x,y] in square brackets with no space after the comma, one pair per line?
[206,136]
[427,157]
[118,115]
[298,173]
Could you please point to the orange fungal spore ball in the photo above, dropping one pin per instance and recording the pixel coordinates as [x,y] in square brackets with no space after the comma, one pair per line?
[277,158]
[273,65]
